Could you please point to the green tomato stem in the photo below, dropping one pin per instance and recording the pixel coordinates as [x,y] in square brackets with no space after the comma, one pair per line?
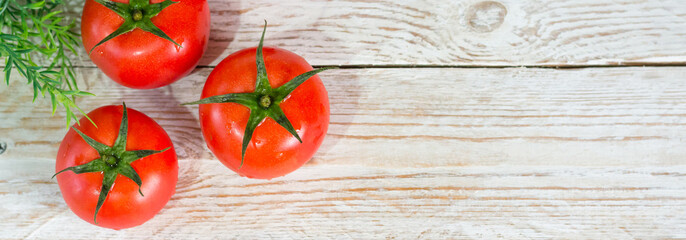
[265,101]
[137,15]
[110,160]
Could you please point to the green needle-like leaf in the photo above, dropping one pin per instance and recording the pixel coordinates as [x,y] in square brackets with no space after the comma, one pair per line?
[277,114]
[122,9]
[96,165]
[129,172]
[8,71]
[107,182]
[35,5]
[53,101]
[120,143]
[284,90]
[245,99]
[148,26]
[34,30]
[262,84]
[3,7]
[256,117]
[49,15]
[124,28]
[101,148]
[69,114]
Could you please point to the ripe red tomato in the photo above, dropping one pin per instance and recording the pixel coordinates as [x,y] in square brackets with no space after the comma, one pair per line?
[140,59]
[123,206]
[273,151]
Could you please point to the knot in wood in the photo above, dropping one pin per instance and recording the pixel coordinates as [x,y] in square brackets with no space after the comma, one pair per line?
[486,16]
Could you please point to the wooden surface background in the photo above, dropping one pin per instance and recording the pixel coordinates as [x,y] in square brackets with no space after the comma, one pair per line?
[449,119]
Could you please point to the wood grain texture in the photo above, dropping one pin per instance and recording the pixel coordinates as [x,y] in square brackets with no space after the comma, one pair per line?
[453,33]
[428,153]
[350,202]
[411,153]
[430,117]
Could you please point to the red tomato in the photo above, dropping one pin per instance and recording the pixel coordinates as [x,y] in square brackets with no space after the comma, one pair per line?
[139,59]
[273,151]
[124,207]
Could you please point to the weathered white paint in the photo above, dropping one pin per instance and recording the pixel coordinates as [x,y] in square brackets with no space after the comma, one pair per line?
[414,153]
[449,32]
[431,117]
[428,153]
[359,202]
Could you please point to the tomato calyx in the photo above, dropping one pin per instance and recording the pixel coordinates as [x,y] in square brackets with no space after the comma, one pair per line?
[136,14]
[113,161]
[264,101]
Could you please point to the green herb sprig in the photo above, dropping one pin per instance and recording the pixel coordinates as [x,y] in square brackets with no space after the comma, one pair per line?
[34,30]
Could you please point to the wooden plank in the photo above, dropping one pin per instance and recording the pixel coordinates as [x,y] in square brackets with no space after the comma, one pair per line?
[359,202]
[428,117]
[448,32]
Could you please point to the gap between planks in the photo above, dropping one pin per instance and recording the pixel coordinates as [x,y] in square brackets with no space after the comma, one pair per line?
[401,66]
[517,116]
[448,32]
[329,200]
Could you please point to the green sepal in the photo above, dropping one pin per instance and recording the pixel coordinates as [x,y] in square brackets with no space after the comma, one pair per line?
[129,172]
[139,3]
[245,99]
[147,25]
[262,84]
[96,165]
[154,9]
[279,117]
[101,148]
[120,143]
[124,28]
[125,11]
[131,156]
[122,9]
[107,182]
[284,90]
[256,117]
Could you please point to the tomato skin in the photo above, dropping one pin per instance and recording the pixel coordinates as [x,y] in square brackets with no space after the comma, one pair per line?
[124,206]
[139,59]
[273,151]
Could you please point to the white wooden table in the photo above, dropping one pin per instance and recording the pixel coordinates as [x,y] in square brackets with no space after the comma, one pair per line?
[449,119]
